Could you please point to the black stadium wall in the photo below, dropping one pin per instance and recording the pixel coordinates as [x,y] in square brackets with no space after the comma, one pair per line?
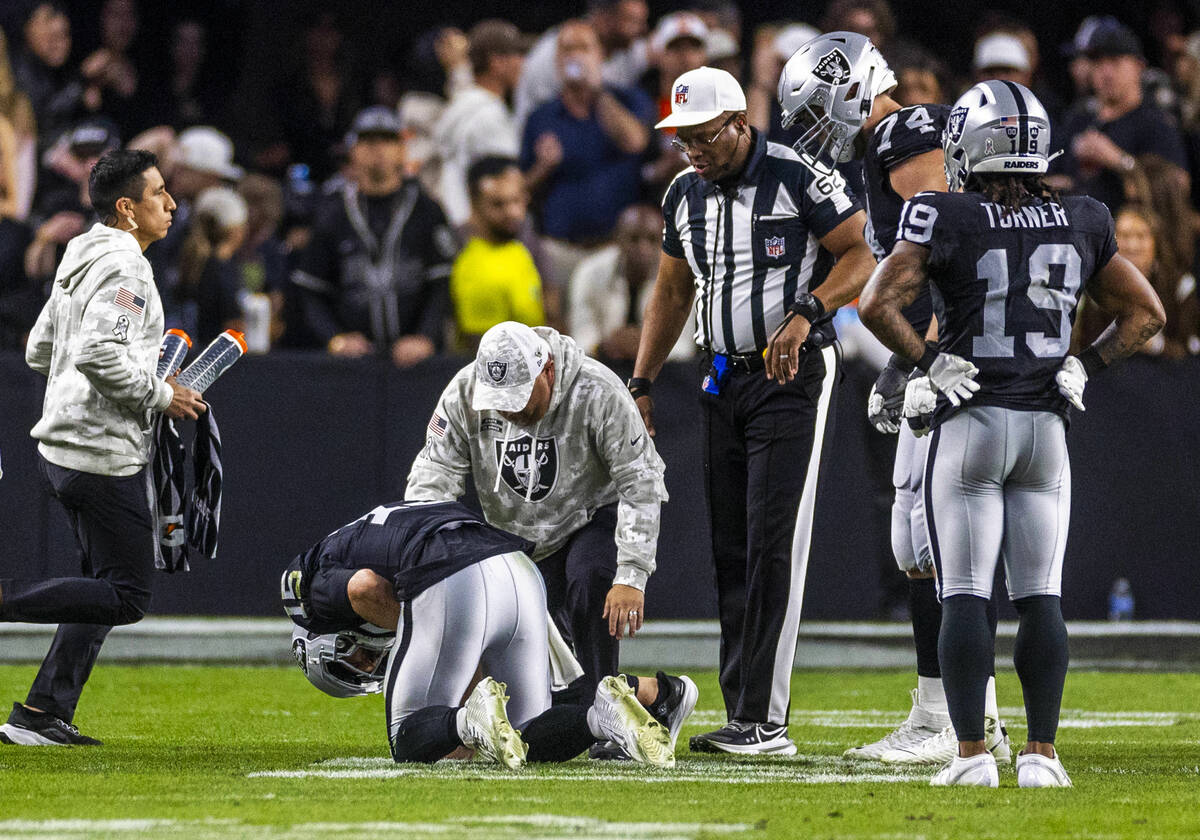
[311,443]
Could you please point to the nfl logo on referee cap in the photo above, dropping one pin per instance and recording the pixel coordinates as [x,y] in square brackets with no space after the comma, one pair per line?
[775,246]
[681,94]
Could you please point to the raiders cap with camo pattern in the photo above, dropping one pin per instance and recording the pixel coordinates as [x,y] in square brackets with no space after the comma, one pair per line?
[510,357]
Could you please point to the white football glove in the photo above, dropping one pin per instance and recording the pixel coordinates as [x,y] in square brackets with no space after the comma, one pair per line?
[1071,379]
[920,399]
[879,416]
[954,376]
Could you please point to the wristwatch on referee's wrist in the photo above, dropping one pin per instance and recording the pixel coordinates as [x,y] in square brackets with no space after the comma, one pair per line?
[639,386]
[808,306]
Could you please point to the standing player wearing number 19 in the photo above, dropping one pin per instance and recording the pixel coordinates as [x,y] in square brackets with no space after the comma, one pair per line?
[837,87]
[1010,259]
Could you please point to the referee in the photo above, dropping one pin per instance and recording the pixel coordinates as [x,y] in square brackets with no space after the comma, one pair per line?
[772,249]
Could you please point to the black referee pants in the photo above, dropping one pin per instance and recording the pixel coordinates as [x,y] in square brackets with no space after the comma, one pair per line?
[112,523]
[762,459]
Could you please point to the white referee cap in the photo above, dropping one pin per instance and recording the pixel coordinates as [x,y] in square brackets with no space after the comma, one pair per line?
[701,95]
[510,357]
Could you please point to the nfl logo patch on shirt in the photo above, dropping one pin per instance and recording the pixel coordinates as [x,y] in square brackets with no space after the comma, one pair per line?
[681,94]
[775,246]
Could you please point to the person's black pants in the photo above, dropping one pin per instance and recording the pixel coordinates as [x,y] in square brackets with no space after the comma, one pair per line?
[112,522]
[763,449]
[578,577]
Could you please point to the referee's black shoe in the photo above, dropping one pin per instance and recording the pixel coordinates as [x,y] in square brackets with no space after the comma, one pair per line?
[29,728]
[745,738]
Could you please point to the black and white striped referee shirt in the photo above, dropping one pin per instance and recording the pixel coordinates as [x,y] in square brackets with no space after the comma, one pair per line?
[753,247]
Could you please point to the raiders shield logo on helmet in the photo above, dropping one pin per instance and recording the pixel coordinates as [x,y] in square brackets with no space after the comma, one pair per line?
[954,125]
[497,371]
[833,68]
[526,463]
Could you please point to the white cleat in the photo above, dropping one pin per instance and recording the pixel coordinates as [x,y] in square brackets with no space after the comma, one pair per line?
[488,730]
[920,726]
[943,746]
[976,771]
[627,722]
[1037,771]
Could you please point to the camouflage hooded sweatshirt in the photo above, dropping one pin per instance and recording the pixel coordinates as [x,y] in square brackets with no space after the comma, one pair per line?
[545,482]
[97,341]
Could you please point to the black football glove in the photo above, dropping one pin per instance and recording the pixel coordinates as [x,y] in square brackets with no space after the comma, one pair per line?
[885,405]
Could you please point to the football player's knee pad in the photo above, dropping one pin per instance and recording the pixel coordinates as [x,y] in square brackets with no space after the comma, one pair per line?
[902,541]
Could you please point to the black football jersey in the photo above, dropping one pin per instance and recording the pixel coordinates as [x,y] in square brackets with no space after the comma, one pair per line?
[1009,284]
[413,544]
[901,135]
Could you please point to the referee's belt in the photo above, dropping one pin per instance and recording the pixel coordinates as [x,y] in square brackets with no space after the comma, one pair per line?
[745,363]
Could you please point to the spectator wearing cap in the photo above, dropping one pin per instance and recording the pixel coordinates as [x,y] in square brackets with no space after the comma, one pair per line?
[611,288]
[582,154]
[477,122]
[374,275]
[200,158]
[208,274]
[559,456]
[63,208]
[773,46]
[621,27]
[724,51]
[1103,141]
[999,55]
[679,44]
[494,278]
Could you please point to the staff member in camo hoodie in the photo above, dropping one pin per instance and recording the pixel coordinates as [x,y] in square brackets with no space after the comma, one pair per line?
[97,343]
[559,456]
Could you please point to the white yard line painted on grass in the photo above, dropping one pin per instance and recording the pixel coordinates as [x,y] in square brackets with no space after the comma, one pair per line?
[515,826]
[801,769]
[867,718]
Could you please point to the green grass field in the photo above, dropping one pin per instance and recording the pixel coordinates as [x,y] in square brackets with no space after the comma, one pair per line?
[200,752]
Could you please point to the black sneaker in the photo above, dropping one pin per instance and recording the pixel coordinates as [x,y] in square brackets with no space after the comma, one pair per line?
[29,728]
[608,751]
[745,738]
[676,699]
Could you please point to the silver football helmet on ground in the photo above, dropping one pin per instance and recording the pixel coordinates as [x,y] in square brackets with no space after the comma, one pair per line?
[996,127]
[828,88]
[351,663]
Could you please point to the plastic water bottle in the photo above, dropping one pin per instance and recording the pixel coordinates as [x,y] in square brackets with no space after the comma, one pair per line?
[217,358]
[256,311]
[1120,601]
[171,353]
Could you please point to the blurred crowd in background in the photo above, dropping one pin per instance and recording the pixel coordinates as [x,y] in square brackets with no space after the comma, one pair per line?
[404,208]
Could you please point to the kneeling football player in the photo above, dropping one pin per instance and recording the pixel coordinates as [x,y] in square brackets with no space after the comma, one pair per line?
[465,600]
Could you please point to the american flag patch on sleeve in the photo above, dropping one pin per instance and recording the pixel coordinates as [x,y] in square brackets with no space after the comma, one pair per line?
[438,424]
[128,300]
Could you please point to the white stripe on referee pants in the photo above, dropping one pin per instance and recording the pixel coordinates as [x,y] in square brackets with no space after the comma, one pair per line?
[785,651]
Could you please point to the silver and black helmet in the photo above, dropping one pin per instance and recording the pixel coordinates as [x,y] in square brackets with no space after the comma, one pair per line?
[996,127]
[828,88]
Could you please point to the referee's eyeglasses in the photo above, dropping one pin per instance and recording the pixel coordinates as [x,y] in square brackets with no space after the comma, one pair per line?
[685,145]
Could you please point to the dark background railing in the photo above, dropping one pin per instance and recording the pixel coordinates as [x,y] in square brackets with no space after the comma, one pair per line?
[311,443]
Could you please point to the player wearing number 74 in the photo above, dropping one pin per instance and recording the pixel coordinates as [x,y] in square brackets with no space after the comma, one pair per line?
[1009,258]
